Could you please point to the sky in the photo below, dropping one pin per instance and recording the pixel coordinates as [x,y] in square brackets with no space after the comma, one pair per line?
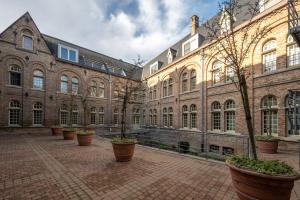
[122,29]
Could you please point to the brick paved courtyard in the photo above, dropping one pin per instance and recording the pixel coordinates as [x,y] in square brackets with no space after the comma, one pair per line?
[47,167]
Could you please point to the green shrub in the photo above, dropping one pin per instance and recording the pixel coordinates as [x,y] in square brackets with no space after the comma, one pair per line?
[184,147]
[266,138]
[270,167]
[70,129]
[85,132]
[119,140]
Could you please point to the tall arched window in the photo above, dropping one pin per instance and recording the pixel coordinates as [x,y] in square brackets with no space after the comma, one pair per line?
[170,117]
[154,117]
[269,56]
[136,115]
[93,89]
[144,117]
[75,115]
[64,84]
[216,115]
[293,114]
[93,115]
[154,92]
[165,86]
[116,116]
[185,116]
[15,75]
[150,117]
[64,114]
[170,87]
[14,113]
[165,117]
[38,79]
[293,52]
[75,85]
[184,82]
[216,72]
[37,114]
[193,116]
[269,114]
[101,115]
[229,115]
[101,90]
[193,79]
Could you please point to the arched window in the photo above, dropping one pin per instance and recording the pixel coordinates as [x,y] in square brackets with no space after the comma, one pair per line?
[269,114]
[185,116]
[136,115]
[154,92]
[15,75]
[116,116]
[165,117]
[170,86]
[75,84]
[293,113]
[93,115]
[216,115]
[144,117]
[150,94]
[165,86]
[216,72]
[170,117]
[150,117]
[93,89]
[38,79]
[269,56]
[293,52]
[75,115]
[154,117]
[101,90]
[37,114]
[229,70]
[14,113]
[193,116]
[229,115]
[64,114]
[184,82]
[64,84]
[193,79]
[101,115]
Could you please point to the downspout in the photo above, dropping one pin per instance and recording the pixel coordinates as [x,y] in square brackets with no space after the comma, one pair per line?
[203,95]
[110,100]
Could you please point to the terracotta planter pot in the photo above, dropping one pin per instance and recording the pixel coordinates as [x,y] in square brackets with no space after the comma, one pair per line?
[90,129]
[267,146]
[84,140]
[56,131]
[251,185]
[123,152]
[69,135]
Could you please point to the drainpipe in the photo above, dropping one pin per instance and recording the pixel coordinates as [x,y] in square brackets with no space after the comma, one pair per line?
[110,101]
[203,94]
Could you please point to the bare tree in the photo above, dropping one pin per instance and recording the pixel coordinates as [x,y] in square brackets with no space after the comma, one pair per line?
[232,46]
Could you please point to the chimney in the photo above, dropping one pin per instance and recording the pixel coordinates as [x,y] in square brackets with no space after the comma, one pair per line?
[195,24]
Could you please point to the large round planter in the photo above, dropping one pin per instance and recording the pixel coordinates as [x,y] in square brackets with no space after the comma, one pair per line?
[69,135]
[56,131]
[84,140]
[251,185]
[123,152]
[267,146]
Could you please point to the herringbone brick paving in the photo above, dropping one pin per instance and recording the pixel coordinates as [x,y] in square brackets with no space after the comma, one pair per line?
[47,167]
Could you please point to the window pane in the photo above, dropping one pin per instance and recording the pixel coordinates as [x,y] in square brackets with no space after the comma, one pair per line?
[270,62]
[216,125]
[27,42]
[63,53]
[15,78]
[72,55]
[38,82]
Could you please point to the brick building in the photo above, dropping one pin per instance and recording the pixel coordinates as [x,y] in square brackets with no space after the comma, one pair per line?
[44,79]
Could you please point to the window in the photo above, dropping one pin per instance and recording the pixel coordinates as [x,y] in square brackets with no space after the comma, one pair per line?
[216,72]
[269,56]
[293,52]
[154,92]
[101,115]
[269,115]
[190,45]
[15,75]
[136,117]
[184,82]
[64,84]
[93,89]
[187,48]
[75,84]
[67,53]
[170,117]
[27,42]
[229,73]
[101,90]
[154,117]
[265,4]
[150,117]
[193,79]
[165,117]
[165,85]
[170,89]
[116,116]
[144,117]
[193,115]
[170,57]
[214,149]
[74,117]
[184,116]
[93,115]
[216,116]
[293,113]
[14,113]
[64,114]
[153,67]
[38,80]
[150,94]
[37,114]
[230,115]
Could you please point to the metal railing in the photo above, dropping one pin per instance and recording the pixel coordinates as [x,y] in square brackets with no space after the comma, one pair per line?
[294,20]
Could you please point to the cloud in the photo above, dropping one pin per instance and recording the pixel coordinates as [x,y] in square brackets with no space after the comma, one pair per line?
[121,29]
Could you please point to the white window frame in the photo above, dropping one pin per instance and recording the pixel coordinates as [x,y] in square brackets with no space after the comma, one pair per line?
[194,44]
[154,67]
[68,48]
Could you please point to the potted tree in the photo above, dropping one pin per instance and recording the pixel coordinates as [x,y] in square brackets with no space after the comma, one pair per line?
[127,93]
[232,46]
[69,132]
[85,138]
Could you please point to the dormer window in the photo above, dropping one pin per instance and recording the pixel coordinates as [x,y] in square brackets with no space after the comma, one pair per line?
[190,45]
[265,4]
[27,42]
[154,67]
[67,53]
[171,55]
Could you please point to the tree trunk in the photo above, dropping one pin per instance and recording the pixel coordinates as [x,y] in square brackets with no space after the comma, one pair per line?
[246,105]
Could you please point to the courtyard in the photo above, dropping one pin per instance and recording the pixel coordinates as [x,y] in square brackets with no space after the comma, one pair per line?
[46,167]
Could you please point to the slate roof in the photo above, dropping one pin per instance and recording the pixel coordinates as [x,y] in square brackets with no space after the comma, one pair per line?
[241,17]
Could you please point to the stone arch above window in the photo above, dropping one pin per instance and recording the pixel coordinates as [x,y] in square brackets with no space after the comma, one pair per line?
[216,106]
[269,101]
[229,105]
[269,45]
